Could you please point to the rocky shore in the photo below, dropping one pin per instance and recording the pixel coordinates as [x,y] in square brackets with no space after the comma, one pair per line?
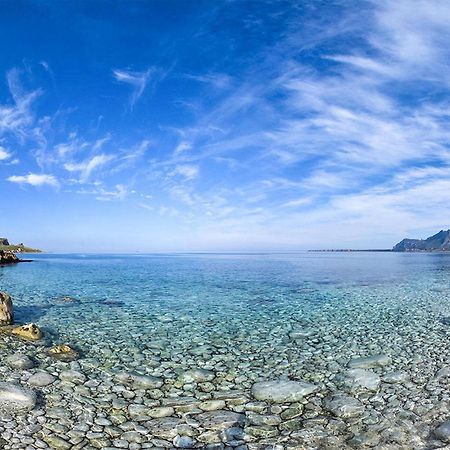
[52,396]
[7,257]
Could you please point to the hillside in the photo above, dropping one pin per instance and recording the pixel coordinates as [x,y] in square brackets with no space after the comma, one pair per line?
[438,242]
[17,248]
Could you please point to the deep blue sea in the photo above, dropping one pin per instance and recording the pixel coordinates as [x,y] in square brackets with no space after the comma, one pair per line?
[239,310]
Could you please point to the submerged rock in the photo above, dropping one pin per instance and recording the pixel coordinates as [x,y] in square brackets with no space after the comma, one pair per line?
[197,376]
[139,381]
[19,362]
[6,309]
[370,362]
[396,377]
[282,391]
[16,398]
[344,406]
[357,379]
[64,352]
[221,420]
[41,379]
[442,432]
[30,332]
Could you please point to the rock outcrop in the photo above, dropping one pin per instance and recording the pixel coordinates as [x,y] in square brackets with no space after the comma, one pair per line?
[438,242]
[6,309]
[7,257]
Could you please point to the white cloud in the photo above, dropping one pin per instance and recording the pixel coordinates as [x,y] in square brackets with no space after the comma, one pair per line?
[34,179]
[4,154]
[188,171]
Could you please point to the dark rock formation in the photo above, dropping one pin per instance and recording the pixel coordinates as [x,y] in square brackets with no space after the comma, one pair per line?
[438,242]
[4,241]
[7,257]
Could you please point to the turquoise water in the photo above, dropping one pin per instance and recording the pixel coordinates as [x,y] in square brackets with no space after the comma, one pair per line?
[164,313]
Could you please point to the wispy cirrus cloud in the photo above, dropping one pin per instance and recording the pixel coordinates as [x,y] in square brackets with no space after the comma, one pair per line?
[138,81]
[86,167]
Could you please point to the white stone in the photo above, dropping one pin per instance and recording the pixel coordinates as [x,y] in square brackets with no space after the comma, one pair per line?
[282,391]
[16,398]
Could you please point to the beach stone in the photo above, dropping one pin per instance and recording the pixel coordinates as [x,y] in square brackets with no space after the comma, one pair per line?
[30,332]
[298,335]
[444,372]
[14,398]
[41,379]
[282,391]
[183,442]
[63,352]
[196,376]
[6,309]
[57,443]
[72,376]
[442,432]
[343,406]
[220,420]
[161,411]
[139,381]
[370,362]
[19,362]
[164,428]
[395,377]
[362,379]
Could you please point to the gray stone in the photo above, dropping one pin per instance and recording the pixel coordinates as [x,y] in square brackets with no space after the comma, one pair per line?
[41,379]
[139,381]
[72,376]
[370,362]
[442,432]
[16,398]
[196,376]
[183,442]
[362,379]
[282,391]
[220,420]
[343,406]
[19,362]
[395,377]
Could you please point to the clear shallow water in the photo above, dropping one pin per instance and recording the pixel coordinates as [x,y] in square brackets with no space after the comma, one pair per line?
[240,316]
[244,304]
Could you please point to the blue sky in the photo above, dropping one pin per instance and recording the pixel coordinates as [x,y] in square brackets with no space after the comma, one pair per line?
[223,126]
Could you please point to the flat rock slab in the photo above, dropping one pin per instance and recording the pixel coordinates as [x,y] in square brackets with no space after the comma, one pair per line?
[344,407]
[282,391]
[370,362]
[362,379]
[442,432]
[14,397]
[41,379]
[220,420]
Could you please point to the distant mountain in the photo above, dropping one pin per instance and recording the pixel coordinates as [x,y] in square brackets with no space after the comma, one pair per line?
[439,242]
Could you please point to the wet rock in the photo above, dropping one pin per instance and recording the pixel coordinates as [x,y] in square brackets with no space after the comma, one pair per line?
[370,362]
[64,352]
[19,362]
[57,443]
[344,406]
[184,442]
[196,376]
[30,332]
[41,379]
[6,309]
[442,432]
[395,377]
[14,398]
[220,420]
[282,391]
[139,381]
[357,379]
[72,376]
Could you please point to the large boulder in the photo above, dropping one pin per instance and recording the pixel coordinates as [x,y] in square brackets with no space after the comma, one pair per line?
[14,397]
[282,391]
[6,309]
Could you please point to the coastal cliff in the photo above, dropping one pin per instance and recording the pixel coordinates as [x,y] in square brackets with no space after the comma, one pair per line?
[16,248]
[438,242]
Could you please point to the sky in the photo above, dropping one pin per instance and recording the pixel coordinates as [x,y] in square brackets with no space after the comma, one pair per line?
[229,125]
